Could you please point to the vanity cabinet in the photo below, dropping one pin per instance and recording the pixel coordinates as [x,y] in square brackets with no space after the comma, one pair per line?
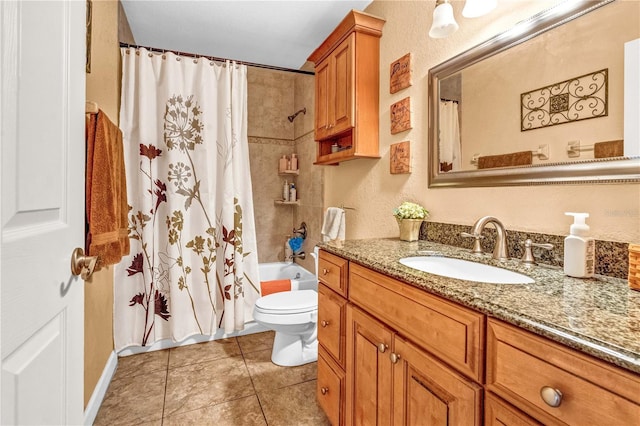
[347,90]
[579,390]
[392,381]
[393,375]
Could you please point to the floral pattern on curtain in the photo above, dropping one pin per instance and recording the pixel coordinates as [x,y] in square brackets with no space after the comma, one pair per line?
[193,264]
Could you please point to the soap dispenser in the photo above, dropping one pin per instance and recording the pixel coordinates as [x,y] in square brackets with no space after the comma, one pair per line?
[579,248]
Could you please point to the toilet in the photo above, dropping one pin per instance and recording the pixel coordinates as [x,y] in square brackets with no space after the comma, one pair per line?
[293,315]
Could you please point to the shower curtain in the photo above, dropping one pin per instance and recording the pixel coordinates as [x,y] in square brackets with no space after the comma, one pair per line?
[449,142]
[193,265]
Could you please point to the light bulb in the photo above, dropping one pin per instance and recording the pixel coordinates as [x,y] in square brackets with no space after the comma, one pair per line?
[476,8]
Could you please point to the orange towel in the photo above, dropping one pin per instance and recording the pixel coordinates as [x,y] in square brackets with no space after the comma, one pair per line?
[275,286]
[106,192]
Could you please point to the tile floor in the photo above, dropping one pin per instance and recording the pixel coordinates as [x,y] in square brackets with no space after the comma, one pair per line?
[224,382]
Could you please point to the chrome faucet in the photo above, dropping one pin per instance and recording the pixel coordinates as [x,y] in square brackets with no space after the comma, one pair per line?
[500,250]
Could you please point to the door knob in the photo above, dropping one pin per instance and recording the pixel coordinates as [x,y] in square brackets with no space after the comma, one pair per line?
[382,347]
[324,390]
[394,358]
[82,265]
[324,323]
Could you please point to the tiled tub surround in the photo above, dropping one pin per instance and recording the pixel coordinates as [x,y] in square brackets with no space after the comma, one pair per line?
[612,258]
[599,316]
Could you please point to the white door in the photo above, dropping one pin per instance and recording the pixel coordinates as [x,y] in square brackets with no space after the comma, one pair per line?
[42,210]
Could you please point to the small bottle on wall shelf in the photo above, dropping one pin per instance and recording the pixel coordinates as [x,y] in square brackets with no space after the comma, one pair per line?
[285,191]
[282,165]
[292,193]
[294,162]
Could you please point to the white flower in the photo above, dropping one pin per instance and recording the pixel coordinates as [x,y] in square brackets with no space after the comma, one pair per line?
[409,210]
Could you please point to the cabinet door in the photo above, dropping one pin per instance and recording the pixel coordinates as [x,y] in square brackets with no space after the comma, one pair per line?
[343,78]
[427,392]
[322,99]
[330,388]
[500,413]
[331,323]
[369,370]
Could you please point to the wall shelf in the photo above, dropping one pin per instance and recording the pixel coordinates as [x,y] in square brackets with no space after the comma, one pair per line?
[289,172]
[288,203]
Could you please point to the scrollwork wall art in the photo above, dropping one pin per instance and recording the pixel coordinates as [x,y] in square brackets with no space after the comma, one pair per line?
[579,98]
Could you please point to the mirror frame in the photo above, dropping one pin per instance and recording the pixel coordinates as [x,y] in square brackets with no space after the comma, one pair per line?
[623,169]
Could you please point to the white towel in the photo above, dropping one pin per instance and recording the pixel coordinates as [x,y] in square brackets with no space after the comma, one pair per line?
[333,226]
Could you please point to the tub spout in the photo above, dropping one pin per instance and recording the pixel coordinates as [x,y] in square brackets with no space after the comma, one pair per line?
[300,255]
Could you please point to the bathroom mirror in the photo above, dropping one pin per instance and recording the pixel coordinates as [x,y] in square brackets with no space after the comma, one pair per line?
[500,89]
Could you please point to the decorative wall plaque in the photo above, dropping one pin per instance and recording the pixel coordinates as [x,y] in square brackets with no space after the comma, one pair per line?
[400,116]
[400,158]
[400,74]
[579,98]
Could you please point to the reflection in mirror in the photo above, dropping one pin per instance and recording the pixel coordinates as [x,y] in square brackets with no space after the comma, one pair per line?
[554,101]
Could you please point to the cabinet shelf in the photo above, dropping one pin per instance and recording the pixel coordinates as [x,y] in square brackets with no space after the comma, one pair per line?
[287,203]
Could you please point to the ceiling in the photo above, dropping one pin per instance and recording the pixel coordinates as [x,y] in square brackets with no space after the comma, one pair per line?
[276,33]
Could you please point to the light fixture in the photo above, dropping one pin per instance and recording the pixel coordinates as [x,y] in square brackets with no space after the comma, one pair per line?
[476,8]
[444,24]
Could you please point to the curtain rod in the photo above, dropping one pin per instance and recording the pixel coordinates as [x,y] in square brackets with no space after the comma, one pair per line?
[214,58]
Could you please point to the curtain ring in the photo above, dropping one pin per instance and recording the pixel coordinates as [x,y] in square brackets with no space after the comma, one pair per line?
[137,52]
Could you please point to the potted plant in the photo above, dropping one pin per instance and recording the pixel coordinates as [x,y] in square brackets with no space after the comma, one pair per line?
[410,217]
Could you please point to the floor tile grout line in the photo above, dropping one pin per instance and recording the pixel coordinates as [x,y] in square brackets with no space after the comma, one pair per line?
[255,391]
[166,385]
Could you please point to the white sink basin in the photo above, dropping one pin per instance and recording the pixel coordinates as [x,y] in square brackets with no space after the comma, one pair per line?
[465,270]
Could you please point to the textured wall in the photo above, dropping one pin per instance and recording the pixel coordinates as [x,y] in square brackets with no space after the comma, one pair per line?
[368,186]
[310,181]
[272,97]
[103,87]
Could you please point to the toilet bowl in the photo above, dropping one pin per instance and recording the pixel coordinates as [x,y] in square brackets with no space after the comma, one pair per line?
[293,315]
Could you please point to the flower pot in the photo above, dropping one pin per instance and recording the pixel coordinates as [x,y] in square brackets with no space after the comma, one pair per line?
[409,229]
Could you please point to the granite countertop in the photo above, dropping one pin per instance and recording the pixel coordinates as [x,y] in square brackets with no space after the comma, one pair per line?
[599,316]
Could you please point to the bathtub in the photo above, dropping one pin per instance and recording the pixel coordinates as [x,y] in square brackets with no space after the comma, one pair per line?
[301,279]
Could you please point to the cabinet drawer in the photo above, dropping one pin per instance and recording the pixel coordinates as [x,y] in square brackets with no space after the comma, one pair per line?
[451,332]
[331,323]
[333,271]
[330,388]
[520,364]
[500,413]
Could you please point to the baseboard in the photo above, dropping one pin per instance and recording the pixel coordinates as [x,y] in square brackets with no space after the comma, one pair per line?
[91,411]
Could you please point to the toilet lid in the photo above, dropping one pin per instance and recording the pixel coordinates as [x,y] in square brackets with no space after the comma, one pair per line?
[289,302]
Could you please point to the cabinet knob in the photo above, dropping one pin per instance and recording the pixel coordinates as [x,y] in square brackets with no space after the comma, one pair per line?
[552,397]
[324,323]
[382,347]
[325,271]
[394,358]
[324,390]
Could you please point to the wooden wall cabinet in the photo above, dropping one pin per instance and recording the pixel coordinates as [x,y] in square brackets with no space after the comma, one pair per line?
[347,67]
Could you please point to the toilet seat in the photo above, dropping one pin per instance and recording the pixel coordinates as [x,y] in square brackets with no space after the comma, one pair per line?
[288,303]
